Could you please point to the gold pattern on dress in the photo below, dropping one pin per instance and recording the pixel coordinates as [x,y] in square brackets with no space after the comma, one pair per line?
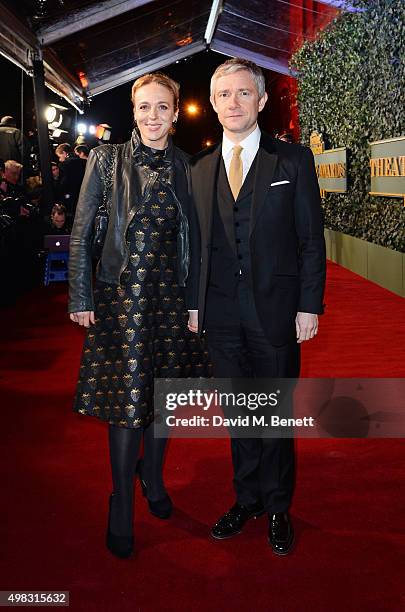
[125,349]
[135,394]
[145,222]
[92,382]
[122,320]
[121,291]
[128,303]
[160,220]
[127,380]
[120,394]
[142,303]
[130,410]
[150,258]
[139,346]
[140,246]
[115,380]
[137,317]
[87,351]
[136,289]
[129,334]
[86,398]
[135,259]
[141,274]
[155,209]
[107,289]
[132,364]
[96,410]
[139,235]
[104,381]
[118,365]
[162,195]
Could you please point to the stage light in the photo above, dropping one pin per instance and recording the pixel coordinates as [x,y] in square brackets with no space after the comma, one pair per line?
[54,115]
[50,114]
[81,128]
[92,129]
[192,109]
[207,143]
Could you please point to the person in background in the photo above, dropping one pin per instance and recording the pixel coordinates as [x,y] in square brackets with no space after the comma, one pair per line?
[57,194]
[82,151]
[57,223]
[71,173]
[10,185]
[13,145]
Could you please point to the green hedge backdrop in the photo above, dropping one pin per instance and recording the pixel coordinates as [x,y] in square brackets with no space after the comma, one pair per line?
[351,88]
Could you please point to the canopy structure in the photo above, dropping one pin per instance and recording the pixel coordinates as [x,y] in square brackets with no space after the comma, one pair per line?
[90,47]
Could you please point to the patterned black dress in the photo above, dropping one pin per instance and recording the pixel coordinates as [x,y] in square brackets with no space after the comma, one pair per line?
[141,326]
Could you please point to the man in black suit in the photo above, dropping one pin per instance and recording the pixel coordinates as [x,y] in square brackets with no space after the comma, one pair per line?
[261,281]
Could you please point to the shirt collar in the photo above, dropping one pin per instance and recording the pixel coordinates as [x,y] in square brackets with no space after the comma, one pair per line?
[250,143]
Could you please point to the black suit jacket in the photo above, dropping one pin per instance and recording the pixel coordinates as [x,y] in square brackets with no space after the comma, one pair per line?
[287,246]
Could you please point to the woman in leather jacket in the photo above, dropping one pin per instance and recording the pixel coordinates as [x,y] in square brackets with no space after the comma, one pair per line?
[136,313]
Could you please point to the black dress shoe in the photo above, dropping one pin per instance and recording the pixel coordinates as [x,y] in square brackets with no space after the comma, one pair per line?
[281,533]
[161,508]
[233,521]
[120,546]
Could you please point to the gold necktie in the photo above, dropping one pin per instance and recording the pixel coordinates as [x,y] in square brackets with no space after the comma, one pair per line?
[236,171]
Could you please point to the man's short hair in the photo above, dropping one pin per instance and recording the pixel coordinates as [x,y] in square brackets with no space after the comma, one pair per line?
[8,120]
[234,65]
[11,164]
[64,147]
[82,149]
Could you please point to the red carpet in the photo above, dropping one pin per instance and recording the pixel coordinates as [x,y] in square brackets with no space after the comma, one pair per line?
[348,509]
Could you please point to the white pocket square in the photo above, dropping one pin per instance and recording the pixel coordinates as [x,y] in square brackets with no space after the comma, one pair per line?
[279,183]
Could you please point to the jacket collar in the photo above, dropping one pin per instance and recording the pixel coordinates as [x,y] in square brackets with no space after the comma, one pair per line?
[136,148]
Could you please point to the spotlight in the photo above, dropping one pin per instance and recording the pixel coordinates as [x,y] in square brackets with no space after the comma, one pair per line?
[81,128]
[50,114]
[92,129]
[54,115]
[192,109]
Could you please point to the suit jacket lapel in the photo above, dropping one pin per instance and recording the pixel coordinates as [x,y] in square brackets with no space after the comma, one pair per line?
[208,195]
[265,167]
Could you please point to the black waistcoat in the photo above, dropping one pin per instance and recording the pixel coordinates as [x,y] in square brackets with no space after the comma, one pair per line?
[230,254]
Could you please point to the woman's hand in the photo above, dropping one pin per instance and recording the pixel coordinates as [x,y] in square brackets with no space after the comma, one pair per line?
[193,321]
[83,318]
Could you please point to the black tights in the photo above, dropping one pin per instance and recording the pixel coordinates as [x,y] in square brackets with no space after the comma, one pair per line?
[124,450]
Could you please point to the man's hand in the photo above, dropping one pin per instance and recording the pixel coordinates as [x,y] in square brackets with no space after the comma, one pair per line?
[306,325]
[193,321]
[83,318]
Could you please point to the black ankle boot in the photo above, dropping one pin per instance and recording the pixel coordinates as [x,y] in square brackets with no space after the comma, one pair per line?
[120,546]
[162,508]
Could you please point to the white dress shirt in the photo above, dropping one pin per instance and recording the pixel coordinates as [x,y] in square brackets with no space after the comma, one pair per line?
[250,147]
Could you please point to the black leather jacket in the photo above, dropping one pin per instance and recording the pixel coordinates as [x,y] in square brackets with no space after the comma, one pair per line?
[129,181]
